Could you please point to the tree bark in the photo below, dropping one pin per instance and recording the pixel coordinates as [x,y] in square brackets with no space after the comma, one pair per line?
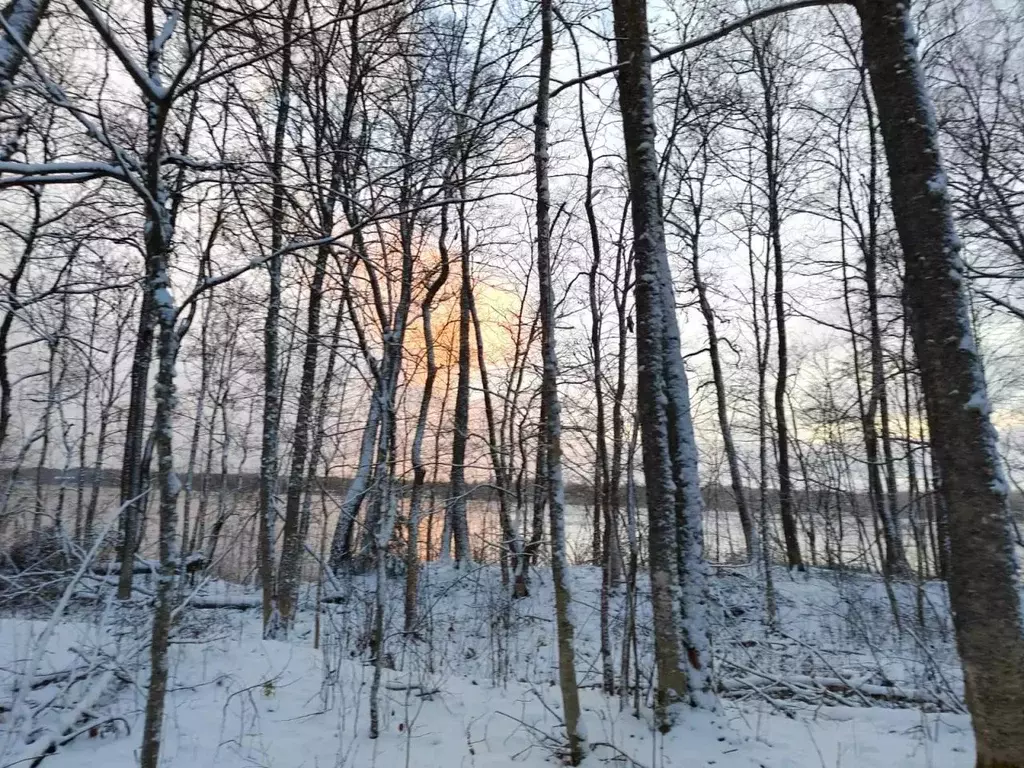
[772,185]
[21,18]
[674,503]
[159,239]
[289,567]
[552,426]
[983,580]
[419,467]
[269,458]
[456,507]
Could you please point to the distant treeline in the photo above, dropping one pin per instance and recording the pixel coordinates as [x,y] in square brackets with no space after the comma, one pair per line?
[249,482]
[715,495]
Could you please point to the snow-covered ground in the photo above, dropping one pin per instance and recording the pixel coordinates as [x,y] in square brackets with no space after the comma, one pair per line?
[834,685]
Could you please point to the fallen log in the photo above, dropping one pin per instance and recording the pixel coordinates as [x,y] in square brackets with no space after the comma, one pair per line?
[789,685]
[240,603]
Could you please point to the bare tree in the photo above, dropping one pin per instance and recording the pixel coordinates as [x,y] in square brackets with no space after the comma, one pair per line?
[552,426]
[983,577]
[674,503]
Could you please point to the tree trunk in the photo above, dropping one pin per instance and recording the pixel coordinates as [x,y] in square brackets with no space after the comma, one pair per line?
[419,467]
[511,546]
[193,449]
[90,368]
[749,525]
[762,350]
[269,459]
[22,18]
[132,471]
[552,427]
[895,556]
[674,504]
[101,438]
[456,507]
[344,532]
[290,566]
[159,237]
[540,495]
[772,183]
[983,580]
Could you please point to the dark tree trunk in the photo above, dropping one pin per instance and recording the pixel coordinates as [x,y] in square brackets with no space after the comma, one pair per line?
[21,17]
[540,496]
[749,525]
[419,467]
[983,579]
[551,433]
[674,503]
[290,565]
[456,507]
[269,459]
[133,473]
[772,182]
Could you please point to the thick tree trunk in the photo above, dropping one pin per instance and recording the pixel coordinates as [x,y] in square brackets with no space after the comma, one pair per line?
[14,305]
[159,239]
[21,18]
[983,579]
[168,512]
[674,503]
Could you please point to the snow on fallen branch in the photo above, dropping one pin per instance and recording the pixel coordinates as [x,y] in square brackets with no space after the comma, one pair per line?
[240,603]
[46,742]
[847,692]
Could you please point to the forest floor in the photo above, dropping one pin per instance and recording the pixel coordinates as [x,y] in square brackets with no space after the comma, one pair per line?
[833,685]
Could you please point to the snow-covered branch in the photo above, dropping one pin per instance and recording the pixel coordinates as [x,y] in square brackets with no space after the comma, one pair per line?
[14,174]
[152,91]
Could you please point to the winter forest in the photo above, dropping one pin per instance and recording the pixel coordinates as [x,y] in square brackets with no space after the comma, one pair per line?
[391,383]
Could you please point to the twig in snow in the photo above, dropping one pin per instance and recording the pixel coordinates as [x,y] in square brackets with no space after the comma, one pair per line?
[608,745]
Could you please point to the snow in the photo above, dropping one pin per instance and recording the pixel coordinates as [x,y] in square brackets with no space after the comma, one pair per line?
[978,402]
[939,184]
[173,483]
[470,693]
[164,301]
